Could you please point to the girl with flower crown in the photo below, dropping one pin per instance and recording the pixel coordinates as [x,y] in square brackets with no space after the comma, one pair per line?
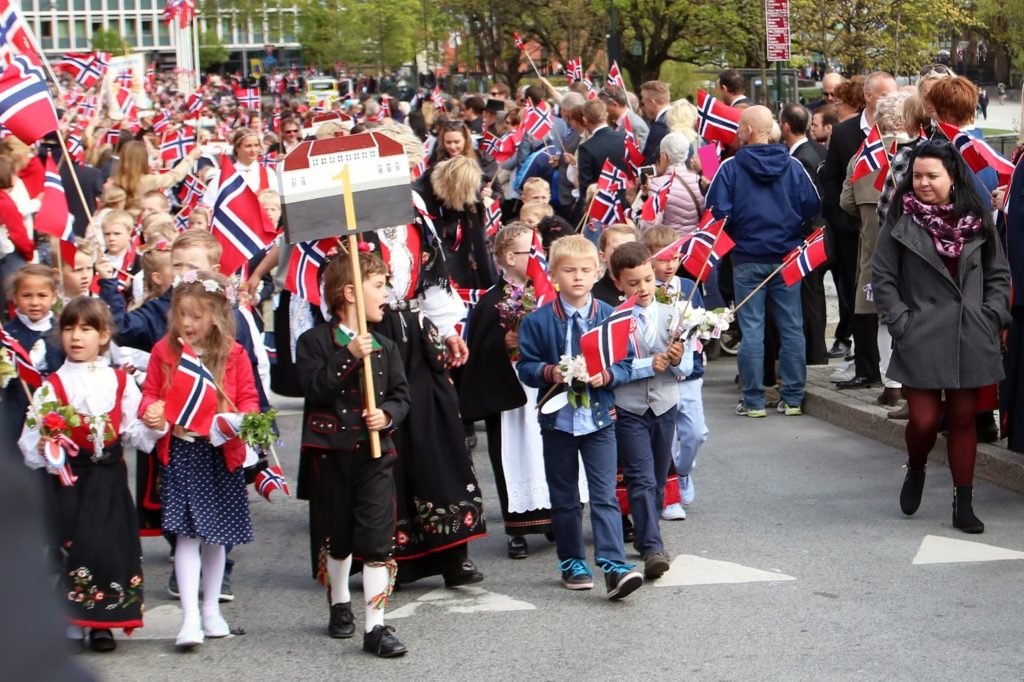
[202,493]
[76,429]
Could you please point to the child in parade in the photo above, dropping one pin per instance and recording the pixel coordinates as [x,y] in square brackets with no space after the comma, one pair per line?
[611,238]
[94,516]
[534,211]
[202,487]
[545,336]
[117,237]
[34,289]
[356,492]
[77,276]
[645,429]
[491,391]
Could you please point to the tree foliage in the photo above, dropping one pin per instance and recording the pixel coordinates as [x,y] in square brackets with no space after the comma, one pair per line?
[1002,23]
[107,40]
[211,51]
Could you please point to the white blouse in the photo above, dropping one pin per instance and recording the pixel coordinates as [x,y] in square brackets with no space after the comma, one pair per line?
[92,390]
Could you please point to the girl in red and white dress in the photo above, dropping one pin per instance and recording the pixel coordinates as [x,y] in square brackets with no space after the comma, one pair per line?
[93,518]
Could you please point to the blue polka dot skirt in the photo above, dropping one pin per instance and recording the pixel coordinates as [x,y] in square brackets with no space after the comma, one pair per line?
[201,498]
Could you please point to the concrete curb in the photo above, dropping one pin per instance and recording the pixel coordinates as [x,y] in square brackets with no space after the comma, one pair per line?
[995,464]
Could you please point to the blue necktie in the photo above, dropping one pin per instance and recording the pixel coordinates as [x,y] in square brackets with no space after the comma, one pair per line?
[575,344]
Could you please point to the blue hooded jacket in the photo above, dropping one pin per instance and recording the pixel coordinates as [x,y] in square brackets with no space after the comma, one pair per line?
[768,196]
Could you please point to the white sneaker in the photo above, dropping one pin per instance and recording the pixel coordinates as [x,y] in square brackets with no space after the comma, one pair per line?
[845,372]
[673,512]
[214,625]
[686,488]
[190,635]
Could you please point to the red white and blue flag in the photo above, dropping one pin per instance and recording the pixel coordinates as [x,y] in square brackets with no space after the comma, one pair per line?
[706,247]
[248,97]
[125,79]
[655,202]
[437,98]
[574,70]
[26,108]
[194,104]
[871,157]
[469,296]
[126,105]
[608,342]
[239,222]
[76,148]
[716,121]
[591,91]
[492,218]
[192,399]
[53,217]
[304,268]
[14,36]
[384,111]
[22,360]
[182,10]
[606,208]
[612,180]
[270,479]
[537,271]
[805,258]
[633,156]
[87,68]
[177,146]
[977,153]
[192,190]
[519,42]
[615,76]
[538,120]
[159,123]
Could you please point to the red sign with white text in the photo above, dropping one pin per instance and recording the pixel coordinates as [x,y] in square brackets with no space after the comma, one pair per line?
[776,14]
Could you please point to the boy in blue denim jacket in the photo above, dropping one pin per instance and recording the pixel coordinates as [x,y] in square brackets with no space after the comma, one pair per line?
[545,335]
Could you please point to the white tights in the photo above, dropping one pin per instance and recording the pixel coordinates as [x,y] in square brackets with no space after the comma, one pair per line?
[189,564]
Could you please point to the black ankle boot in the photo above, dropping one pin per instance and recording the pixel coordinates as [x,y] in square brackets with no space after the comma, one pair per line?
[963,512]
[913,486]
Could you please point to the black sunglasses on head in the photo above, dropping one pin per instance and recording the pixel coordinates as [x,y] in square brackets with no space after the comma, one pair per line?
[935,69]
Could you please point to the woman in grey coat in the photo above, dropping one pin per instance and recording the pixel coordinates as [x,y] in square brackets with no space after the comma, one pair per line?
[941,285]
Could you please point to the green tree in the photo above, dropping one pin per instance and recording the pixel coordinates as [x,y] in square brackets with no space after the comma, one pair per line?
[371,33]
[1002,23]
[108,40]
[211,51]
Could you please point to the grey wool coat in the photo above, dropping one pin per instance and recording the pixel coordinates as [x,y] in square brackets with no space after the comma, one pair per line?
[944,329]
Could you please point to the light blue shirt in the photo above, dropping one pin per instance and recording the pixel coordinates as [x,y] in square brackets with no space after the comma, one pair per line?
[579,421]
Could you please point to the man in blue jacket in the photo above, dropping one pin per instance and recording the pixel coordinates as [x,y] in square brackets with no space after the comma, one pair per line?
[768,196]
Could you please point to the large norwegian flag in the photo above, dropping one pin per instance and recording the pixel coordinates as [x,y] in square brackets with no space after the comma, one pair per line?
[87,68]
[805,258]
[26,108]
[14,36]
[537,121]
[192,400]
[53,217]
[716,121]
[248,97]
[615,76]
[978,154]
[182,10]
[871,157]
[177,146]
[239,222]
[304,268]
[608,342]
[706,247]
[22,360]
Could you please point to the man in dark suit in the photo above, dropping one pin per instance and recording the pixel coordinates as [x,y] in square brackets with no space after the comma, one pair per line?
[603,144]
[793,122]
[655,102]
[843,228]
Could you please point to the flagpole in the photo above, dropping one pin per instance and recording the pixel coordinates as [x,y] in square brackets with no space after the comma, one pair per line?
[761,285]
[700,275]
[586,214]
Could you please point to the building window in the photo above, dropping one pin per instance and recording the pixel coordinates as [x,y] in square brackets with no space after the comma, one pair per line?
[81,39]
[225,30]
[97,5]
[164,34]
[63,41]
[147,34]
[60,5]
[145,4]
[79,5]
[257,30]
[46,34]
[128,4]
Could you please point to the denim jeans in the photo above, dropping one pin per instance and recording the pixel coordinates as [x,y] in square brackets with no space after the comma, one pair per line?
[691,430]
[789,321]
[562,452]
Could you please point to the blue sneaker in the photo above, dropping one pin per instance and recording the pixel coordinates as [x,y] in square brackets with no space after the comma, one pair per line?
[576,575]
[620,579]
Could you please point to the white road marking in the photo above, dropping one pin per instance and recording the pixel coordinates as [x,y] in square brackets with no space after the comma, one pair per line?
[688,569]
[468,599]
[161,622]
[936,549]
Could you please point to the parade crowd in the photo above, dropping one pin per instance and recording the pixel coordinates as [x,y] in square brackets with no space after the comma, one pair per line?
[571,261]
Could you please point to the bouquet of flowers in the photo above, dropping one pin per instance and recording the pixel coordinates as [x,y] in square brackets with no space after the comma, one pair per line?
[661,295]
[576,376]
[7,369]
[55,422]
[699,322]
[257,430]
[519,302]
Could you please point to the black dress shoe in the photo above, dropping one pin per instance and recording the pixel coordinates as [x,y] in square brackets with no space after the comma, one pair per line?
[856,382]
[839,349]
[342,624]
[381,641]
[101,640]
[517,547]
[466,574]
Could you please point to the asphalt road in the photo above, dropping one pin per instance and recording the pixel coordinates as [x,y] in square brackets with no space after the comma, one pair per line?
[795,563]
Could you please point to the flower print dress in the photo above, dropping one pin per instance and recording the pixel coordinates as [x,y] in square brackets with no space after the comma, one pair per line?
[94,524]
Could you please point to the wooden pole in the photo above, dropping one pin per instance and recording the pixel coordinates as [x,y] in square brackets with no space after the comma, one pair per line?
[700,276]
[357,278]
[760,286]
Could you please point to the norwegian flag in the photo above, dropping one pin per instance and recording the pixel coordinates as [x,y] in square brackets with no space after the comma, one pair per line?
[716,121]
[499,148]
[871,157]
[304,268]
[671,251]
[606,209]
[384,111]
[159,123]
[537,120]
[125,79]
[181,219]
[182,10]
[192,190]
[14,36]
[248,97]
[492,218]
[978,154]
[633,156]
[68,250]
[608,342]
[192,399]
[87,107]
[805,258]
[469,296]
[437,98]
[591,91]
[87,68]
[150,77]
[269,161]
[194,104]
[537,271]
[177,146]
[488,143]
[574,70]
[239,222]
[706,247]
[615,76]
[270,479]
[420,168]
[22,360]
[612,180]
[53,216]
[519,42]
[76,148]
[26,108]
[111,136]
[655,202]
[126,105]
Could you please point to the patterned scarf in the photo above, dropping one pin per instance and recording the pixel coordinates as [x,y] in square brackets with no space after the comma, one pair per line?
[937,220]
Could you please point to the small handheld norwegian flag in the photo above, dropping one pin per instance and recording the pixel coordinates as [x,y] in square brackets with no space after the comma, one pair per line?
[192,400]
[269,480]
[608,342]
[716,120]
[27,371]
[805,258]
